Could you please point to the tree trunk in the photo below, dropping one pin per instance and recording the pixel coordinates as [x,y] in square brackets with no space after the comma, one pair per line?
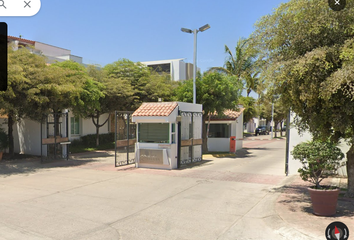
[57,116]
[97,125]
[10,123]
[281,128]
[350,171]
[204,134]
[98,131]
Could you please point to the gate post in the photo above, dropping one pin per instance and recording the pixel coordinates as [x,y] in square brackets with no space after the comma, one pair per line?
[115,138]
[128,126]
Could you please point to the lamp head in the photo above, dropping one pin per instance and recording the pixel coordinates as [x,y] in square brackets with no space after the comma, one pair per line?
[186,30]
[205,27]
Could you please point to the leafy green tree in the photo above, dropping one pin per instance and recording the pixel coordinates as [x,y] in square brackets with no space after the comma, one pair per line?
[217,92]
[279,115]
[55,88]
[91,96]
[249,103]
[309,53]
[22,68]
[128,84]
[242,65]
[146,84]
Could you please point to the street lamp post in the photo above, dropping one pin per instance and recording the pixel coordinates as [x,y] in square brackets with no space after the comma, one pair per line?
[195,31]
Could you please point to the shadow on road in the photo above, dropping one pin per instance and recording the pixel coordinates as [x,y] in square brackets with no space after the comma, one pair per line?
[97,154]
[8,168]
[194,164]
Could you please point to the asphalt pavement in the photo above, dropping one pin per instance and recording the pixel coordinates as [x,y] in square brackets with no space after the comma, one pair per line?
[246,196]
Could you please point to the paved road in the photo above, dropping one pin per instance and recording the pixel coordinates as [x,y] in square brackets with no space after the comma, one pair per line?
[221,198]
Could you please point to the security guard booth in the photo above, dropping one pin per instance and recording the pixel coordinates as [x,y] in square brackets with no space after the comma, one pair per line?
[169,134]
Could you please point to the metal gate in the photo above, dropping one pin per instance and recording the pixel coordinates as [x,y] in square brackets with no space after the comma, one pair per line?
[190,137]
[125,138]
[55,136]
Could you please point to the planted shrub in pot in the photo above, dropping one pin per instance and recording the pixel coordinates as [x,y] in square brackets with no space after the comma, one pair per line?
[4,142]
[319,160]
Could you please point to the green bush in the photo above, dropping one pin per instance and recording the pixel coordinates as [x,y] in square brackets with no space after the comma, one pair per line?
[319,160]
[90,140]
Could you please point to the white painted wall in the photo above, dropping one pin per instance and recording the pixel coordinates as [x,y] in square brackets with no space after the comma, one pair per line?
[252,125]
[218,144]
[169,163]
[239,132]
[70,57]
[181,71]
[296,138]
[27,138]
[49,50]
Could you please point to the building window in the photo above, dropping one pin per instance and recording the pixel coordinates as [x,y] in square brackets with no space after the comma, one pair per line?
[219,130]
[75,125]
[153,132]
[161,68]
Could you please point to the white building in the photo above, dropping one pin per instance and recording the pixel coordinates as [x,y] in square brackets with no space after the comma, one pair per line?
[226,132]
[53,53]
[177,68]
[27,138]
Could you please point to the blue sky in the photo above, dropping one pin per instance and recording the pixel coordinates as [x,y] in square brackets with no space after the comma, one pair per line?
[104,31]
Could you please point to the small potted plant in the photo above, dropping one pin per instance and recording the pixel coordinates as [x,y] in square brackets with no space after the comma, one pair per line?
[319,160]
[4,142]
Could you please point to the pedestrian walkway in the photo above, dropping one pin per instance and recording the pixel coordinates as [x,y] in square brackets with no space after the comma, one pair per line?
[294,207]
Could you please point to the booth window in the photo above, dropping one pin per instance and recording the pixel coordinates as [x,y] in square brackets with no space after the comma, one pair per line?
[219,130]
[173,133]
[153,132]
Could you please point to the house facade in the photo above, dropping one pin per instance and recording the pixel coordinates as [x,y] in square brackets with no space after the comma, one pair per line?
[27,133]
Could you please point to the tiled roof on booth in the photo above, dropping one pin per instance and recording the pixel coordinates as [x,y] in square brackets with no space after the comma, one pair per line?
[161,109]
[227,115]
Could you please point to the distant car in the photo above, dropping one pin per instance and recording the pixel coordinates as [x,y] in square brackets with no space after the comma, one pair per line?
[262,130]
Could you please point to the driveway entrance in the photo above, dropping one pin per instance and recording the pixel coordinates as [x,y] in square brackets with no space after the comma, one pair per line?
[88,198]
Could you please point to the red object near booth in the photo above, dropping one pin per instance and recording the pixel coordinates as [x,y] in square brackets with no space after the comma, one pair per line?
[232,144]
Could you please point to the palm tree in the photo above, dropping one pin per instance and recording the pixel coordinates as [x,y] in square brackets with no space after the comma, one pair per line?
[242,65]
[237,64]
[252,82]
